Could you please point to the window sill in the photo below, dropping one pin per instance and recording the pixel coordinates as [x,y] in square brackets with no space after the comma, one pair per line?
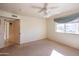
[68,33]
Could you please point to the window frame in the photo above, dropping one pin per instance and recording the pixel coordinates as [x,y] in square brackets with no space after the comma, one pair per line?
[65,30]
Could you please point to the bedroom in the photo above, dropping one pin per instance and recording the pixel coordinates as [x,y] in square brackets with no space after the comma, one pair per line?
[39,29]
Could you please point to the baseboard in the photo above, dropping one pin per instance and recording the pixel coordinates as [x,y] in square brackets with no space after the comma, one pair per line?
[62,43]
[26,43]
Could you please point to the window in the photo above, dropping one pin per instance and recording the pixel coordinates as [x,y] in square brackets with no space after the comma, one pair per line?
[68,28]
[60,28]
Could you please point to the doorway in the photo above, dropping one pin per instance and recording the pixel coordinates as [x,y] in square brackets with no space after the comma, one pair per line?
[12,33]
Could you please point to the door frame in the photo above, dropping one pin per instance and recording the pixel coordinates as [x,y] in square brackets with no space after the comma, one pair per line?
[7,19]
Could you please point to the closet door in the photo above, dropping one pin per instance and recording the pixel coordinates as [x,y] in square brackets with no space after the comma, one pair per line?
[12,30]
[6,33]
[9,32]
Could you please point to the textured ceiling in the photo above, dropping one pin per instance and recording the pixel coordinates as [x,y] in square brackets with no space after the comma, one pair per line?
[26,8]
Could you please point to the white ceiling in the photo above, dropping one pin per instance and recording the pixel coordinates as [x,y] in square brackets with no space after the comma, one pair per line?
[26,8]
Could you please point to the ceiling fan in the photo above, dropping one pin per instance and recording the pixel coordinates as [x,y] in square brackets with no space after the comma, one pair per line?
[44,9]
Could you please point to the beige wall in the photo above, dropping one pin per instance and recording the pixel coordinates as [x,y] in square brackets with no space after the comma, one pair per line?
[31,28]
[68,39]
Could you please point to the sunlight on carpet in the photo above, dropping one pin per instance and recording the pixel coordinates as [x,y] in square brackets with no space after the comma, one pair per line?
[56,53]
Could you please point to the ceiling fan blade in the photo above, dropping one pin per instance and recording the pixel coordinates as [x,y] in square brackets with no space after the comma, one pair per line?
[41,10]
[36,7]
[52,7]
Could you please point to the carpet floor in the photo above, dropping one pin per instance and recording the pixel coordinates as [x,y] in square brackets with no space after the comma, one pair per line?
[40,48]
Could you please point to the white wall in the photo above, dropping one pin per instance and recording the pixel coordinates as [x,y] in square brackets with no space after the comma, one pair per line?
[65,38]
[31,28]
[1,33]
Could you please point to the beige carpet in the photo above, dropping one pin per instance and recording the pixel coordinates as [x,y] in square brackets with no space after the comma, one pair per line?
[41,48]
